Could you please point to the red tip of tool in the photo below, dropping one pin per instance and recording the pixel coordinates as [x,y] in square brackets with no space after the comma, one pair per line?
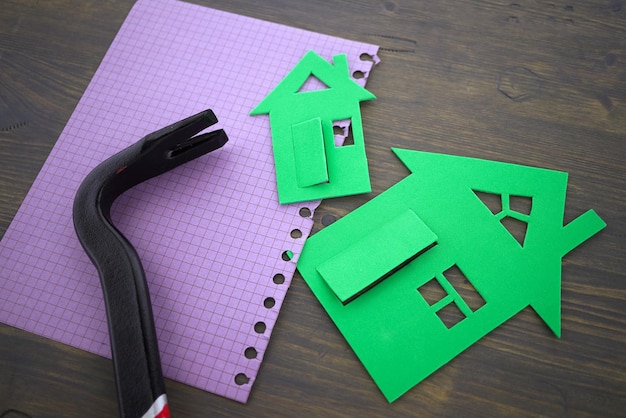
[158,409]
[165,412]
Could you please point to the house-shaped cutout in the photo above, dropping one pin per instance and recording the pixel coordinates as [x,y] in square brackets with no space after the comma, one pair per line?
[309,165]
[421,272]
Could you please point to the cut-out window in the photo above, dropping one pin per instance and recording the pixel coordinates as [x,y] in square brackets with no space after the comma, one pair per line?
[520,204]
[513,212]
[432,292]
[342,131]
[312,83]
[451,296]
[491,200]
[465,289]
[450,315]
[516,228]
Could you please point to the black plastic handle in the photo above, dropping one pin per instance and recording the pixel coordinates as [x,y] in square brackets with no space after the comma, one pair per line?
[136,361]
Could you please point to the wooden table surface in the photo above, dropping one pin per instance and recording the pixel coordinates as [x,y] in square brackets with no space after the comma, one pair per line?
[534,82]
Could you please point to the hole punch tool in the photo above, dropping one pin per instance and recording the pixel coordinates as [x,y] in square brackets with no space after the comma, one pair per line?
[136,361]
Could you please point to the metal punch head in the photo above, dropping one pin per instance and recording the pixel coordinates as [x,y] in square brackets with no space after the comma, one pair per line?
[136,361]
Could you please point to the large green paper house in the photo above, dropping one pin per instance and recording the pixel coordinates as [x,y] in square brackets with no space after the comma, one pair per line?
[309,164]
[421,272]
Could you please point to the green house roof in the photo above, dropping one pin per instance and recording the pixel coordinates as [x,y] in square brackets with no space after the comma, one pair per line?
[336,76]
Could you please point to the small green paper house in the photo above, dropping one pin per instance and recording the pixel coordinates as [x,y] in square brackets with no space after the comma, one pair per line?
[309,164]
[421,272]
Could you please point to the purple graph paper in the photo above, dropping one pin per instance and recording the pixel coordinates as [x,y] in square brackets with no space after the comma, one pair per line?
[211,233]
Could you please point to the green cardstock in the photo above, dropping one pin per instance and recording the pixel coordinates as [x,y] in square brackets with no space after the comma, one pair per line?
[309,166]
[309,153]
[394,243]
[499,240]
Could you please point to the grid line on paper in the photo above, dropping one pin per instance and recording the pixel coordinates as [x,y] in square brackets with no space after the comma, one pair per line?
[211,233]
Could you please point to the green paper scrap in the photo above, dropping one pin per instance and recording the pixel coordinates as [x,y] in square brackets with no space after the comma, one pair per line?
[478,274]
[353,270]
[334,170]
[309,154]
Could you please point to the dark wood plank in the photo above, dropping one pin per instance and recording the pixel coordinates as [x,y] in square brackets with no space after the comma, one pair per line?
[527,81]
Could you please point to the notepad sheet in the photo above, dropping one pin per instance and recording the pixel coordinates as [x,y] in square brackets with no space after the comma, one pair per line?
[210,234]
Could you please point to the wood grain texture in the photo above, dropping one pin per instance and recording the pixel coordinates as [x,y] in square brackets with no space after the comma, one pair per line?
[532,82]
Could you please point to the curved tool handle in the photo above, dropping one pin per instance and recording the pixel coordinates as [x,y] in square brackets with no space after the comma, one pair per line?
[136,361]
